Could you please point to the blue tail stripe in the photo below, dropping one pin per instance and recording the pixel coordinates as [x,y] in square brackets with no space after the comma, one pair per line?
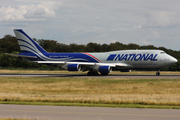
[38,47]
[26,42]
[34,51]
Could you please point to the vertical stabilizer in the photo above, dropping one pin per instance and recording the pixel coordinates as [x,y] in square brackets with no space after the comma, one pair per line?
[27,45]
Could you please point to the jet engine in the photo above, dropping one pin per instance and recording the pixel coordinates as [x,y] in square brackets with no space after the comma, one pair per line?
[74,67]
[104,70]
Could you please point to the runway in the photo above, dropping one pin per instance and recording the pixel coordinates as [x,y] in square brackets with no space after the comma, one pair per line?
[85,113]
[98,76]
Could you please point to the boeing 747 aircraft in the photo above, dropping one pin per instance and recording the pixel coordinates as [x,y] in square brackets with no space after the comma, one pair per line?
[102,62]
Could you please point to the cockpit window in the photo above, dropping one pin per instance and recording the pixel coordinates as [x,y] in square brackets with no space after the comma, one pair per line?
[162,52]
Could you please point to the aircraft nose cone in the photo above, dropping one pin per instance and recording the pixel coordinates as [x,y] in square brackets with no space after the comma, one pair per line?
[173,60]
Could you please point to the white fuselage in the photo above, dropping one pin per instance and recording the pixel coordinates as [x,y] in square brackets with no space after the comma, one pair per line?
[137,58]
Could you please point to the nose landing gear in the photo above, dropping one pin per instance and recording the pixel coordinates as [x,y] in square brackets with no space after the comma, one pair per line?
[158,72]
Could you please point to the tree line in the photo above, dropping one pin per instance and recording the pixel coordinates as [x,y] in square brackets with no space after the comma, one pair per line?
[9,44]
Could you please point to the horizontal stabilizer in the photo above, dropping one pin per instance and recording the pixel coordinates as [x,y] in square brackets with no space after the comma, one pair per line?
[24,56]
[51,62]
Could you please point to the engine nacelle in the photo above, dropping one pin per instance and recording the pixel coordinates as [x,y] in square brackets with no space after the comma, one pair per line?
[105,69]
[74,67]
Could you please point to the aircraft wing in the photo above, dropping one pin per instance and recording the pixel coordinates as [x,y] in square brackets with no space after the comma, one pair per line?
[85,63]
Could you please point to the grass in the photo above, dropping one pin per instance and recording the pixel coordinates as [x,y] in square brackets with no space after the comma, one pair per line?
[117,92]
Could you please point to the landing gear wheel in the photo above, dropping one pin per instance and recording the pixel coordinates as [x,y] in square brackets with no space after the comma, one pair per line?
[104,73]
[95,73]
[158,73]
[90,73]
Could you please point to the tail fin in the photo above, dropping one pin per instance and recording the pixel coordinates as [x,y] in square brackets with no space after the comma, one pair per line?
[27,45]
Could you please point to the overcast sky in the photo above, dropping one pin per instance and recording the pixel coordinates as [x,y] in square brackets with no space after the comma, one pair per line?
[152,22]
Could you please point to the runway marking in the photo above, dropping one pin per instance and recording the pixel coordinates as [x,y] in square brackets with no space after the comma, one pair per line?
[95,113]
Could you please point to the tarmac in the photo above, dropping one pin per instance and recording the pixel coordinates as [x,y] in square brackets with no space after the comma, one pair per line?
[85,113]
[98,76]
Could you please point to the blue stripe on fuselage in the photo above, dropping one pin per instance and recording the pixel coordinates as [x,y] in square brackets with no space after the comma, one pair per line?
[73,57]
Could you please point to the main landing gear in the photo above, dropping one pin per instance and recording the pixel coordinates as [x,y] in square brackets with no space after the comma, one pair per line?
[92,73]
[158,72]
